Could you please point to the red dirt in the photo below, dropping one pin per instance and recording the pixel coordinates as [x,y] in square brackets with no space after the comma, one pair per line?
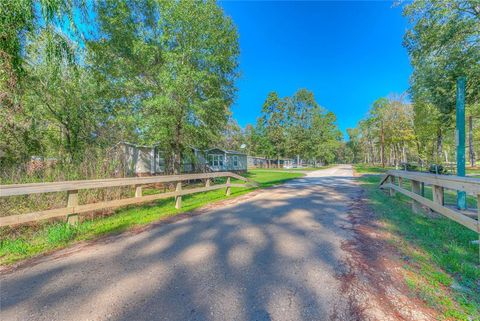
[374,282]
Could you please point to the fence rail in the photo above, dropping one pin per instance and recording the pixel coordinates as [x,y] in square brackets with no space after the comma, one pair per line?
[72,187]
[393,183]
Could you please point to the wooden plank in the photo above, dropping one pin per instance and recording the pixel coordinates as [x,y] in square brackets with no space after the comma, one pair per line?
[467,184]
[384,179]
[41,215]
[37,188]
[72,198]
[416,188]
[245,179]
[391,190]
[228,191]
[178,198]
[138,191]
[241,185]
[72,202]
[450,213]
[438,194]
[34,216]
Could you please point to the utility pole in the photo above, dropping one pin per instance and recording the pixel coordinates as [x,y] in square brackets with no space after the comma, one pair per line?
[460,138]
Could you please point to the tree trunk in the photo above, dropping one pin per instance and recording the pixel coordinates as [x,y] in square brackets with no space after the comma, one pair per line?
[177,150]
[439,145]
[470,141]
[372,153]
[382,148]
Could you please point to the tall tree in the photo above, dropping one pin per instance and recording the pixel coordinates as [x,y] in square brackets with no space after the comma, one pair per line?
[443,44]
[176,62]
[64,106]
[232,137]
[20,20]
[273,124]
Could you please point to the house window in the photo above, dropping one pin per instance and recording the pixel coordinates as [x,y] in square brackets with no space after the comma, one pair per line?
[235,161]
[215,160]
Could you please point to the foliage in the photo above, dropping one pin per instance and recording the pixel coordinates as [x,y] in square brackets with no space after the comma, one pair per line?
[443,44]
[176,62]
[19,20]
[232,137]
[386,135]
[150,72]
[295,126]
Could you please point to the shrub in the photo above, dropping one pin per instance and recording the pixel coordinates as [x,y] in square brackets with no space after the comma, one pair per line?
[437,169]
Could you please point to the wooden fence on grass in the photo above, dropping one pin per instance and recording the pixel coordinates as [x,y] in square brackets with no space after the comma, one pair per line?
[394,180]
[72,187]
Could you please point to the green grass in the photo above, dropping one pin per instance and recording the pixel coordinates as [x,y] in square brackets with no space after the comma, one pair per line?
[368,169]
[441,264]
[304,169]
[24,242]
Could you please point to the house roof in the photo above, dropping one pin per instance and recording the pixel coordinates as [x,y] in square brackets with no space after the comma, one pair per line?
[266,158]
[194,148]
[226,151]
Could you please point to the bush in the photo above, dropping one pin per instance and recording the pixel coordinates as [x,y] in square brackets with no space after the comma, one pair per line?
[409,166]
[437,169]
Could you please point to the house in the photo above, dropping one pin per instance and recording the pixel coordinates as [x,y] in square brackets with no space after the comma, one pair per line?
[263,162]
[257,162]
[138,160]
[226,160]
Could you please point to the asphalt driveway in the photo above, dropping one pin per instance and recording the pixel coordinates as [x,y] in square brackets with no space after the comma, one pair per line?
[272,256]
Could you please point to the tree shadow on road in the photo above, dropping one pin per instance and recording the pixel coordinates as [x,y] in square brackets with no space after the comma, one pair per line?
[275,257]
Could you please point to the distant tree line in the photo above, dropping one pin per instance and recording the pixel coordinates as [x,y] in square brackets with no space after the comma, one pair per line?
[290,127]
[444,44]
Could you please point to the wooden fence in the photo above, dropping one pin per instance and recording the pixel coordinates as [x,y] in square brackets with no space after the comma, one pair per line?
[394,180]
[72,187]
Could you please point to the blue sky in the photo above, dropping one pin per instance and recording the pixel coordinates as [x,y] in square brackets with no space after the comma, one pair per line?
[347,53]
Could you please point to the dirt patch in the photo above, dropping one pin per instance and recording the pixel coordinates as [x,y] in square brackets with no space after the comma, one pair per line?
[374,283]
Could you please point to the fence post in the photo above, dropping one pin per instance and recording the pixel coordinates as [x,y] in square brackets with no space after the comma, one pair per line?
[392,181]
[438,194]
[207,182]
[228,187]
[138,191]
[416,188]
[178,199]
[460,138]
[400,181]
[72,202]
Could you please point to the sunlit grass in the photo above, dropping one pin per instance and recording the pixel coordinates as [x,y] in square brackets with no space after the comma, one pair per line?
[441,263]
[304,169]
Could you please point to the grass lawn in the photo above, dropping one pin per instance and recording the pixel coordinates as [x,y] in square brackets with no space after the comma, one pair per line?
[304,169]
[24,242]
[441,265]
